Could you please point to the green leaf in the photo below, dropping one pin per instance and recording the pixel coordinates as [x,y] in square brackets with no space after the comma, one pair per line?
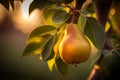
[40,4]
[48,50]
[90,8]
[48,17]
[93,58]
[60,16]
[95,32]
[61,66]
[115,39]
[5,3]
[36,47]
[67,17]
[41,30]
[32,49]
[82,22]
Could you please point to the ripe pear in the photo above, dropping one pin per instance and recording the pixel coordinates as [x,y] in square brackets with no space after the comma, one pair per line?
[74,48]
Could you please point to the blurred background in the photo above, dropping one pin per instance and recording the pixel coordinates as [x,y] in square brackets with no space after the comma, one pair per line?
[15,26]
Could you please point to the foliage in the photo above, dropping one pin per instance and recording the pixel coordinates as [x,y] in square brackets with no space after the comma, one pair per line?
[42,39]
[110,65]
[60,16]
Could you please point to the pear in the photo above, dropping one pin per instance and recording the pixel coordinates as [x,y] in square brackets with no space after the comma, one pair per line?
[74,48]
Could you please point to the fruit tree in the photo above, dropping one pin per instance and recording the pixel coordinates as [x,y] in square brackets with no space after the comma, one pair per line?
[74,32]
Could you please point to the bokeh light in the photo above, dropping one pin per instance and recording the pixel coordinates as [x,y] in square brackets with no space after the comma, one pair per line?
[25,8]
[23,21]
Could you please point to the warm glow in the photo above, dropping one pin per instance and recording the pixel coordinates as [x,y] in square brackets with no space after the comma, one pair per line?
[92,73]
[111,12]
[107,26]
[3,13]
[23,21]
[25,8]
[96,66]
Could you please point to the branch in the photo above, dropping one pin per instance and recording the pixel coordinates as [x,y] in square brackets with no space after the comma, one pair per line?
[78,6]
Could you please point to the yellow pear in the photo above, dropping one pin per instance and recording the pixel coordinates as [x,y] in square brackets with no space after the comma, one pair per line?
[56,46]
[74,48]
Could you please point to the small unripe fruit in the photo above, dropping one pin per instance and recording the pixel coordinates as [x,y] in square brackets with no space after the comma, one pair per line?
[74,48]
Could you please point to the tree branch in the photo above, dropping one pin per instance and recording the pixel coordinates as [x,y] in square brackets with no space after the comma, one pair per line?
[78,6]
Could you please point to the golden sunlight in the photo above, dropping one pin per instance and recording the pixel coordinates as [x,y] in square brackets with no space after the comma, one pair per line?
[25,8]
[23,21]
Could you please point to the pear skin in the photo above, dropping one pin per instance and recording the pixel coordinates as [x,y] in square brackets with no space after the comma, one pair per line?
[74,48]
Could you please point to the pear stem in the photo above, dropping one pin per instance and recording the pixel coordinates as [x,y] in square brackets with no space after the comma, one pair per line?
[78,6]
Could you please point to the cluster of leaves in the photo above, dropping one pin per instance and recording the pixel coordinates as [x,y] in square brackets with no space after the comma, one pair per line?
[57,14]
[42,39]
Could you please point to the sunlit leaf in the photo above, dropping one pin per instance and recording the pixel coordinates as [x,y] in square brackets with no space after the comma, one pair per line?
[30,48]
[61,66]
[95,32]
[82,22]
[35,48]
[48,17]
[40,4]
[41,30]
[5,3]
[60,16]
[108,25]
[51,64]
